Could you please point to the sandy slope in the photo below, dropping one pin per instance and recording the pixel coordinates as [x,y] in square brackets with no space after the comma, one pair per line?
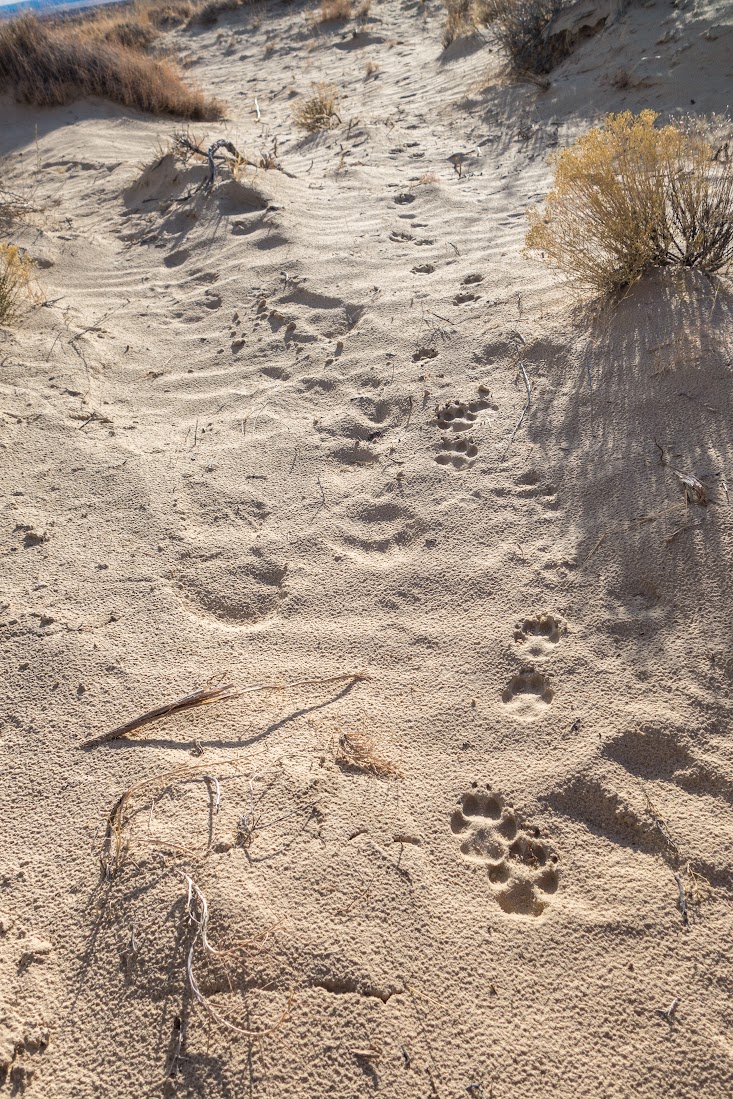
[221,456]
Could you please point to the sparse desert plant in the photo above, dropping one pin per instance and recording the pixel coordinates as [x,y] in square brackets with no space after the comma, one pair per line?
[362,12]
[47,64]
[630,196]
[318,111]
[12,206]
[16,275]
[464,17]
[519,27]
[132,35]
[335,11]
[208,13]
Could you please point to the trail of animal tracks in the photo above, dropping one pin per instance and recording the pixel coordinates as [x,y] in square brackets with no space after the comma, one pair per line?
[323,419]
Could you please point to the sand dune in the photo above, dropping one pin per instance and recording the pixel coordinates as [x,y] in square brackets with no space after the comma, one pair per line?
[268,433]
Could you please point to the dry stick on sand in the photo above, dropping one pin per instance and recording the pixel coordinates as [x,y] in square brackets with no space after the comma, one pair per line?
[694,488]
[198,698]
[197,912]
[211,155]
[683,903]
[525,410]
[214,694]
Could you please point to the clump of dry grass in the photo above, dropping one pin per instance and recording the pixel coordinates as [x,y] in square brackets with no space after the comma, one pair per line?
[207,14]
[357,752]
[318,110]
[48,64]
[335,11]
[16,282]
[134,36]
[519,27]
[12,206]
[629,197]
[464,19]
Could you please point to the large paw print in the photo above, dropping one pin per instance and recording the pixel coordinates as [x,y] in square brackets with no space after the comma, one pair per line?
[458,453]
[520,863]
[462,415]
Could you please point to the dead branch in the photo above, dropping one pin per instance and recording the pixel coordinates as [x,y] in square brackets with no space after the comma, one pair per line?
[525,410]
[214,694]
[211,155]
[188,702]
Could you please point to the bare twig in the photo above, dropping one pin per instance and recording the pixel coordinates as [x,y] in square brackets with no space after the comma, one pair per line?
[198,698]
[214,694]
[682,902]
[525,410]
[183,141]
[669,1013]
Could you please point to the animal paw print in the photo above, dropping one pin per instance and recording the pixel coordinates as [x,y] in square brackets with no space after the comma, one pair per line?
[235,334]
[540,634]
[461,415]
[528,692]
[459,453]
[519,862]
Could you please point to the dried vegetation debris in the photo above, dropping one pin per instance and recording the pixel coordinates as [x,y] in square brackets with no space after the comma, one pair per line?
[51,63]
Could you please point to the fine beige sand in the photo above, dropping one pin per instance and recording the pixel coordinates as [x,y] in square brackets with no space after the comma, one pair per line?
[265,436]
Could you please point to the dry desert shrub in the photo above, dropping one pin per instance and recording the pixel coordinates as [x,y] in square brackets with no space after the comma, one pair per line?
[48,64]
[334,11]
[628,197]
[519,27]
[318,111]
[16,273]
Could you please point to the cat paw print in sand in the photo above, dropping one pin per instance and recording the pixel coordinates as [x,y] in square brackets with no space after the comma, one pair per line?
[521,864]
[539,635]
[528,693]
[462,415]
[453,419]
[459,453]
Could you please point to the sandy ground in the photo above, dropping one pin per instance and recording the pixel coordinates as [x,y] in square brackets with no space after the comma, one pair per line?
[228,453]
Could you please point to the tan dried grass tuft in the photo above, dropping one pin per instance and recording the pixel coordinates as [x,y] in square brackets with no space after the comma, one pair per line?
[318,110]
[116,844]
[335,11]
[48,64]
[629,197]
[16,282]
[463,19]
